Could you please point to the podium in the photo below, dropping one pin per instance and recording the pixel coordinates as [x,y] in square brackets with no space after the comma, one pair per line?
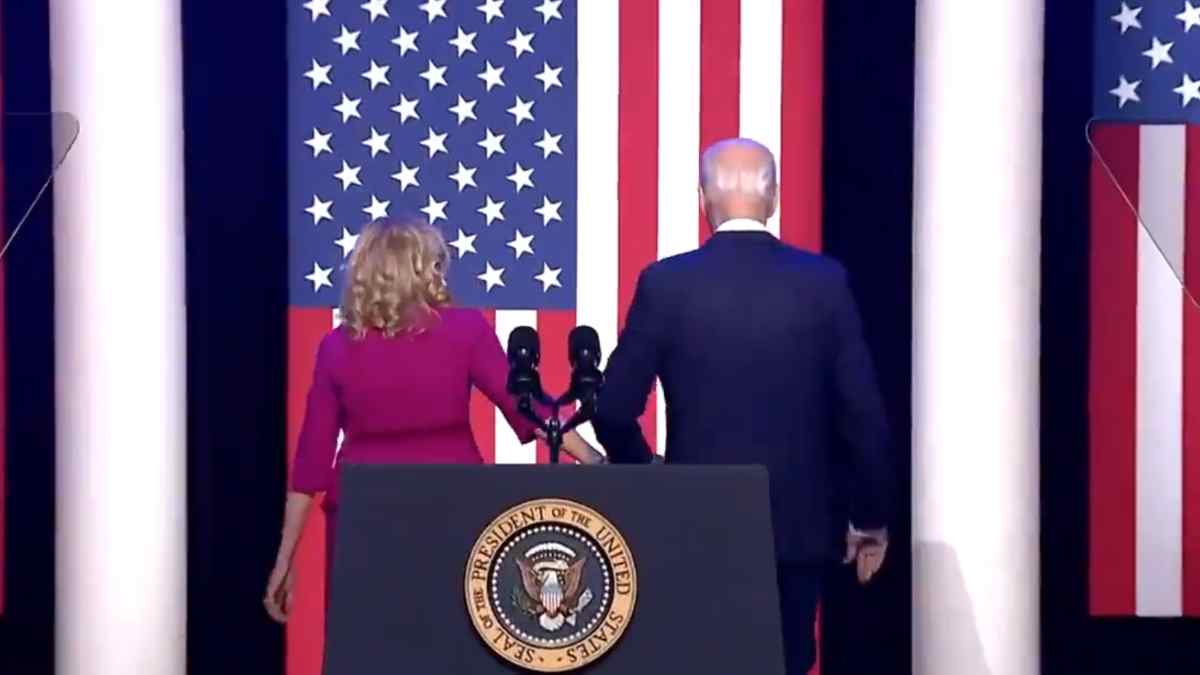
[553,568]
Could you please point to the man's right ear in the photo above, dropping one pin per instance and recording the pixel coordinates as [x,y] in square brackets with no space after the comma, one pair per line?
[774,204]
[703,201]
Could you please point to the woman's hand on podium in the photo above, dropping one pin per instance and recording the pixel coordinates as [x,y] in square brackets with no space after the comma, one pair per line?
[575,445]
[578,447]
[278,598]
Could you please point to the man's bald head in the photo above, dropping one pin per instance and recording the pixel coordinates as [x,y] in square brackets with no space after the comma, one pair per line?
[737,180]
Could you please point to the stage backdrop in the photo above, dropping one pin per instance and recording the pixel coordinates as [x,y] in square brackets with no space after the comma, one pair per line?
[556,144]
[1145,324]
[3,352]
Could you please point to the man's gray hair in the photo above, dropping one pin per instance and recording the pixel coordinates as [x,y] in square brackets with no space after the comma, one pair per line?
[716,179]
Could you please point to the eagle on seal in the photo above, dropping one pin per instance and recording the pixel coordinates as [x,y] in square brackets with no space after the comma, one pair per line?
[551,593]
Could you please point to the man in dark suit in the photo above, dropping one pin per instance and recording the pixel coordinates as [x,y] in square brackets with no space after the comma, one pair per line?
[761,356]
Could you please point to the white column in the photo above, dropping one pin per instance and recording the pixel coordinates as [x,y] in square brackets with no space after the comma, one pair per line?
[119,340]
[976,285]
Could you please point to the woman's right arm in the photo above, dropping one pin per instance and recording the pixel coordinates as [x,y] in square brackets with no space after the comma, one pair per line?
[313,469]
[312,472]
[278,598]
[295,514]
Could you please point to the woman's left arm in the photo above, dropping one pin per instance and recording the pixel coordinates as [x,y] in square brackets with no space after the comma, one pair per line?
[583,452]
[489,373]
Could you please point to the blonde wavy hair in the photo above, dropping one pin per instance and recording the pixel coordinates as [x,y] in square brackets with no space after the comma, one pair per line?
[396,279]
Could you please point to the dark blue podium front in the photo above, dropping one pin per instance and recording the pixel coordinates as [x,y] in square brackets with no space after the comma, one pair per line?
[687,550]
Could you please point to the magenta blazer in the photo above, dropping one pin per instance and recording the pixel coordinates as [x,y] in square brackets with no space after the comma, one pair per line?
[402,400]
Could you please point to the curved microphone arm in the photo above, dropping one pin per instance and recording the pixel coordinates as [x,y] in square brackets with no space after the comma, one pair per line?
[555,428]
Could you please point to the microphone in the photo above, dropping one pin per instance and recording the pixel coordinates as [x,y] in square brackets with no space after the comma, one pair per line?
[583,350]
[524,353]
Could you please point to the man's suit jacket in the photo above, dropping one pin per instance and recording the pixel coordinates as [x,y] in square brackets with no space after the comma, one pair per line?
[761,356]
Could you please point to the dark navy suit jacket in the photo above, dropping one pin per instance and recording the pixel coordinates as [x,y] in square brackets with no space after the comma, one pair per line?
[761,356]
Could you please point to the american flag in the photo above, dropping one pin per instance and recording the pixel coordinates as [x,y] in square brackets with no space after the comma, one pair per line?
[1145,325]
[555,142]
[469,123]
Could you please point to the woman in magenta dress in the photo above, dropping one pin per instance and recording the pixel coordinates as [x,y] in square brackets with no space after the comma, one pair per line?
[396,379]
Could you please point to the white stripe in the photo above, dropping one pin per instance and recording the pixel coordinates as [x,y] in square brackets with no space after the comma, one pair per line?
[678,143]
[1160,374]
[509,449]
[761,76]
[678,126]
[597,256]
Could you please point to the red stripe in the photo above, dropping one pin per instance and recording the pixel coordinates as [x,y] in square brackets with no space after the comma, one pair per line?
[720,49]
[483,414]
[1113,373]
[306,625]
[553,328]
[1191,379]
[801,140]
[801,122]
[637,183]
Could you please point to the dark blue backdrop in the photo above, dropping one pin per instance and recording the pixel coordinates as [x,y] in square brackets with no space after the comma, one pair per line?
[26,638]
[868,226]
[235,119]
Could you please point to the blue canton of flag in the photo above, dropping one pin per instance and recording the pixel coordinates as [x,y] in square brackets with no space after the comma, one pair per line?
[460,113]
[1147,61]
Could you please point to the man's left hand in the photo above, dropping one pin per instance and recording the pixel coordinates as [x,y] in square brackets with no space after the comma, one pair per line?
[866,548]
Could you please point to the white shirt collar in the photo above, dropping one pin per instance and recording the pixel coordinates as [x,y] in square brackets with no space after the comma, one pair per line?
[742,225]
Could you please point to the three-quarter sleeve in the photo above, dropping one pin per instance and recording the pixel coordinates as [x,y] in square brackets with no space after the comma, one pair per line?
[313,469]
[489,373]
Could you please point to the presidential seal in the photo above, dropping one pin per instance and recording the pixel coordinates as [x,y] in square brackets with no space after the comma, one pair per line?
[550,585]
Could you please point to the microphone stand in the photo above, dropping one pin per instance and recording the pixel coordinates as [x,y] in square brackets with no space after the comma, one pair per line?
[555,428]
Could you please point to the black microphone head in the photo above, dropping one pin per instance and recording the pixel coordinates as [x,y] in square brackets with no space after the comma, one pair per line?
[583,350]
[524,348]
[583,347]
[524,353]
